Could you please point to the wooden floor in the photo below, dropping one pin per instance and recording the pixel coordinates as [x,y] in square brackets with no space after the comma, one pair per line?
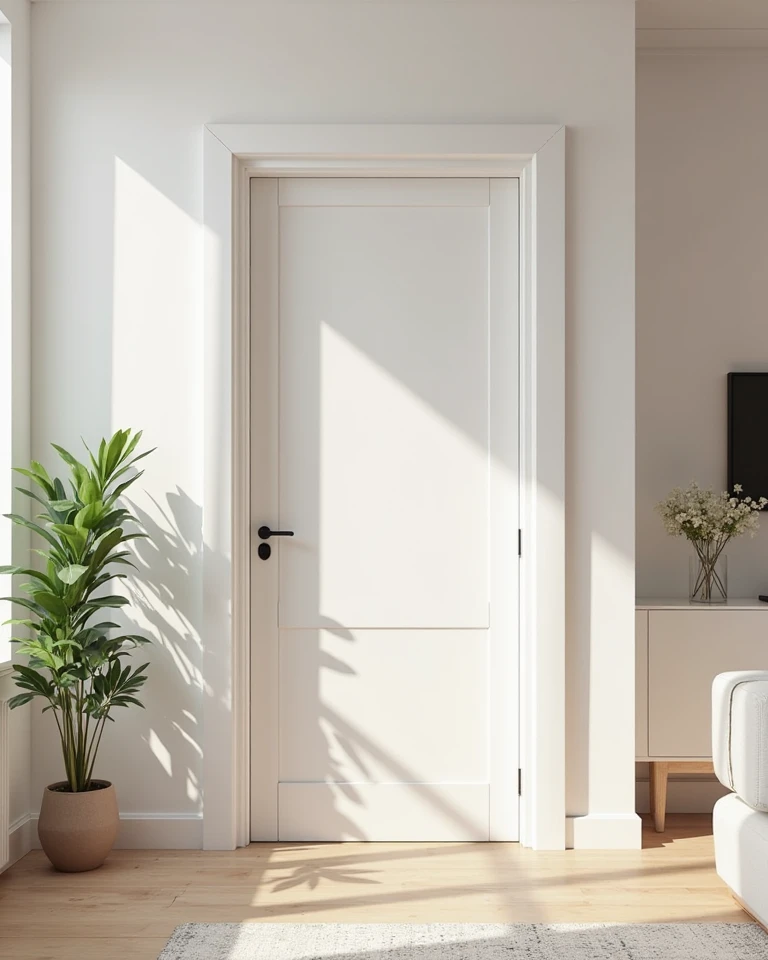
[128,909]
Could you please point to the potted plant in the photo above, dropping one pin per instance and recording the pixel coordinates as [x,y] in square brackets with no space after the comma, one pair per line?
[74,659]
[709,521]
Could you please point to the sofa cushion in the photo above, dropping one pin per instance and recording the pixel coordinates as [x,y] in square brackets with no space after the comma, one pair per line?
[740,734]
[741,853]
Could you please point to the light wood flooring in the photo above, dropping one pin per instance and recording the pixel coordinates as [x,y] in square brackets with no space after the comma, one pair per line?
[128,909]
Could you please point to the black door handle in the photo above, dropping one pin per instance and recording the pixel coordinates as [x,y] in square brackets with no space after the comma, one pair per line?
[265,533]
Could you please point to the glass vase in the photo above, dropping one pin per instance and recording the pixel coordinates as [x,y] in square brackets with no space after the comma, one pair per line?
[708,577]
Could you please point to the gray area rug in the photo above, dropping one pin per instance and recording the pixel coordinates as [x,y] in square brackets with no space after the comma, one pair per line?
[467,941]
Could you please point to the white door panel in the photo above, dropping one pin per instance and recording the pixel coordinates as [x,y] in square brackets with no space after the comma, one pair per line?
[372,705]
[384,434]
[406,812]
[384,416]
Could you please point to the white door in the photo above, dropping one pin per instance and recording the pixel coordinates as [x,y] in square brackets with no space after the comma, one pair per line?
[385,437]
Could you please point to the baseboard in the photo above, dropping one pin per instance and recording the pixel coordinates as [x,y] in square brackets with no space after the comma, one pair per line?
[604,831]
[151,831]
[683,796]
[160,831]
[20,837]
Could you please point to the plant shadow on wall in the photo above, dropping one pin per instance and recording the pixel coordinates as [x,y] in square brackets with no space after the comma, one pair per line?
[166,561]
[151,349]
[72,658]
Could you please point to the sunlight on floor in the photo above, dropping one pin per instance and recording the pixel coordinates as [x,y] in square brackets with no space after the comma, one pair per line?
[130,907]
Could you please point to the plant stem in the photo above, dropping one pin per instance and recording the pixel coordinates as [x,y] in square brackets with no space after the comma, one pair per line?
[80,730]
[67,742]
[100,730]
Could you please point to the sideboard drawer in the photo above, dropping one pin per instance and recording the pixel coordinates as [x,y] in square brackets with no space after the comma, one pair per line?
[686,651]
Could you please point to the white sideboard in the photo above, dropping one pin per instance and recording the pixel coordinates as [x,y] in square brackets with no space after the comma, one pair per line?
[680,648]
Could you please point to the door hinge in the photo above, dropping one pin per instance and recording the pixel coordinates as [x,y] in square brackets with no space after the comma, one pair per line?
[519,543]
[519,783]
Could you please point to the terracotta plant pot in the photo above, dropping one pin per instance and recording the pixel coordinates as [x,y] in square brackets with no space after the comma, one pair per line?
[77,830]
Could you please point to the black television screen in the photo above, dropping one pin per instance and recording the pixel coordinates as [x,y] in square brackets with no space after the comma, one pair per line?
[747,445]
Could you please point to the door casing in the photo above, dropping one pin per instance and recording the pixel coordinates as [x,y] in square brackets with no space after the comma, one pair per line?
[232,155]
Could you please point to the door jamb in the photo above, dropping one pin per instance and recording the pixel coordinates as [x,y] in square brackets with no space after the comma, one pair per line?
[233,153]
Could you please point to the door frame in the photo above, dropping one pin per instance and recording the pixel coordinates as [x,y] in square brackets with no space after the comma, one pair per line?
[232,155]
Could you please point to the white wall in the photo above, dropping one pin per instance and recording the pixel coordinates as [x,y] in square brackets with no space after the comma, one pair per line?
[702,249]
[14,370]
[6,328]
[14,279]
[121,91]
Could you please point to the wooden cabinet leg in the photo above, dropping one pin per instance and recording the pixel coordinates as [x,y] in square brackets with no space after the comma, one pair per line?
[658,790]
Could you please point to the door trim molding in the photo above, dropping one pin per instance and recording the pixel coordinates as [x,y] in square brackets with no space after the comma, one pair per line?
[232,154]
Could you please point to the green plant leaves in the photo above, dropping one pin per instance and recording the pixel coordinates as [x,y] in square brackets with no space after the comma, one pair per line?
[122,487]
[74,537]
[31,525]
[75,666]
[72,573]
[35,574]
[38,475]
[29,679]
[131,463]
[29,604]
[52,603]
[113,601]
[113,452]
[89,491]
[59,511]
[89,516]
[104,545]
[132,444]
[20,699]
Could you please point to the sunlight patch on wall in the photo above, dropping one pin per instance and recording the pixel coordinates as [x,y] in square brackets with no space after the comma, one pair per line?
[154,347]
[156,364]
[160,752]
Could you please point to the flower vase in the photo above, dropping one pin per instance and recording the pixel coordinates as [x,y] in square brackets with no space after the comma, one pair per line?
[708,577]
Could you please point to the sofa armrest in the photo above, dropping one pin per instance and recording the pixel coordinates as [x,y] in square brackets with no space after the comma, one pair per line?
[740,734]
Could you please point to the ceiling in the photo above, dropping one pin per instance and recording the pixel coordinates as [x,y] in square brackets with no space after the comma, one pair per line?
[656,16]
[699,14]
[702,14]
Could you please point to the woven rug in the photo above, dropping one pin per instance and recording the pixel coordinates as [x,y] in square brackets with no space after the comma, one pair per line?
[467,941]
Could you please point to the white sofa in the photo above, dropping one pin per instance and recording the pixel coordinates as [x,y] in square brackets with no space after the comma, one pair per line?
[740,752]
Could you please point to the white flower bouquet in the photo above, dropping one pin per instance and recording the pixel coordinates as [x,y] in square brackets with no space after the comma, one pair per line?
[710,521]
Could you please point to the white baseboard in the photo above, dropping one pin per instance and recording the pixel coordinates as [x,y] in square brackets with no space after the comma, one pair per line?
[683,796]
[160,831]
[604,831]
[151,831]
[20,837]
